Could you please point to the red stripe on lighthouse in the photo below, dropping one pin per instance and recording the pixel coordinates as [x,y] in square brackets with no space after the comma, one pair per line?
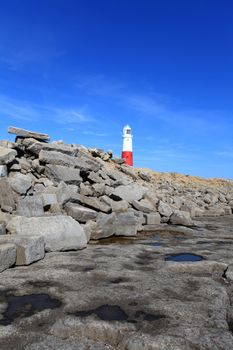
[128,156]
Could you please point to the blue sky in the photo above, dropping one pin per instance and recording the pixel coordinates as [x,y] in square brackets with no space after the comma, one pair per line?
[80,70]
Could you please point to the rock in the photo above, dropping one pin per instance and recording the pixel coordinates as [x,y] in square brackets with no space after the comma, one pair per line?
[86,189]
[20,183]
[76,159]
[88,228]
[181,218]
[6,195]
[28,248]
[34,147]
[118,224]
[91,202]
[128,171]
[144,176]
[130,192]
[48,199]
[99,189]
[152,218]
[143,205]
[164,209]
[60,232]
[30,206]
[2,229]
[7,155]
[94,177]
[116,206]
[25,133]
[7,256]
[3,170]
[80,213]
[151,196]
[25,164]
[214,211]
[63,173]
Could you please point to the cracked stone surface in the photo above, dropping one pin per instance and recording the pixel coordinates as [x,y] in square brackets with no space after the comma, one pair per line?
[121,293]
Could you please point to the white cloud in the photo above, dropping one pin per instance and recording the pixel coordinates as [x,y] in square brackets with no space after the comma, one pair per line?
[27,111]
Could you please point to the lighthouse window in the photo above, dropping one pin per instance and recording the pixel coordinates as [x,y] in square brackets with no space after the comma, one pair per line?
[128,131]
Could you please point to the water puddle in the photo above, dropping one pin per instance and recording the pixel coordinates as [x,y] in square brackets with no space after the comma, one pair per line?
[105,313]
[27,305]
[183,257]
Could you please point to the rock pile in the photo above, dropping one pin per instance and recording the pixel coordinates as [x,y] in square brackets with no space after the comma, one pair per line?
[56,197]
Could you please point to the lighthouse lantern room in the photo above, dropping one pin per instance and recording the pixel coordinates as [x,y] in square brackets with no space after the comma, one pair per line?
[127,151]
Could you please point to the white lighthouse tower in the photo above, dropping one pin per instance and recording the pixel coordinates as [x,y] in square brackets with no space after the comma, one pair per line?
[127,150]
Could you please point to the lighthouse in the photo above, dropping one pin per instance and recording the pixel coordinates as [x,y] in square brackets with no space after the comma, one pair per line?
[127,150]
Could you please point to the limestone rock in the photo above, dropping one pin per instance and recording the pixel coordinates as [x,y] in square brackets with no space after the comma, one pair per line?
[164,209]
[3,170]
[116,206]
[6,195]
[30,206]
[63,173]
[60,232]
[130,192]
[2,229]
[91,202]
[80,213]
[28,248]
[181,218]
[118,224]
[143,205]
[27,133]
[7,256]
[152,218]
[7,155]
[20,183]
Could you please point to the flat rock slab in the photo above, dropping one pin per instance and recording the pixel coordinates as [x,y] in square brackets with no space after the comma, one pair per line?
[63,173]
[80,213]
[7,256]
[29,248]
[60,232]
[26,133]
[124,295]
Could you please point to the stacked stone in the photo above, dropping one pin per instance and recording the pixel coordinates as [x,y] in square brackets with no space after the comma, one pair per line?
[56,197]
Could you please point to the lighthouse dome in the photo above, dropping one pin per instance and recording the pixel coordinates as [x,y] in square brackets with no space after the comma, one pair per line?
[127,130]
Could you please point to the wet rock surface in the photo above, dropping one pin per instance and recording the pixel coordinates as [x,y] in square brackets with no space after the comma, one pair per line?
[121,293]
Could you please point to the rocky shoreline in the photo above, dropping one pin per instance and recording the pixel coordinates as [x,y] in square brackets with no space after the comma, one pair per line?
[59,199]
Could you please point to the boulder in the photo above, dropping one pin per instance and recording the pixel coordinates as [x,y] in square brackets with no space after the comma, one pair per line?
[130,193]
[28,248]
[2,229]
[60,232]
[7,202]
[80,213]
[48,199]
[63,173]
[20,183]
[7,256]
[118,224]
[33,146]
[116,206]
[91,202]
[152,218]
[3,170]
[7,155]
[26,133]
[181,218]
[143,205]
[30,206]
[164,209]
